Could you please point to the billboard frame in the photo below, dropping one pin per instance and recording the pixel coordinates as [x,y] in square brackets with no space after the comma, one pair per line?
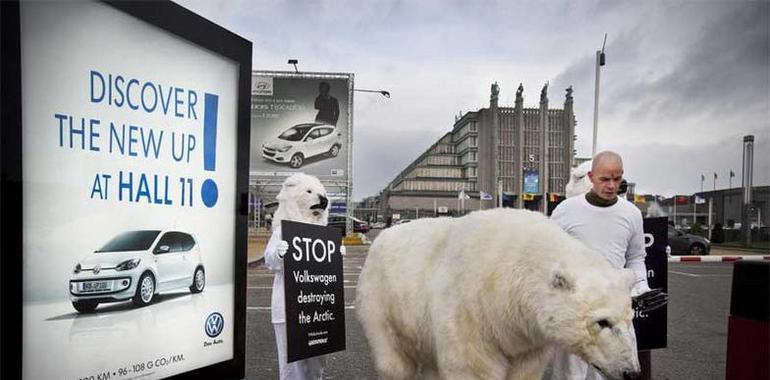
[175,20]
[348,184]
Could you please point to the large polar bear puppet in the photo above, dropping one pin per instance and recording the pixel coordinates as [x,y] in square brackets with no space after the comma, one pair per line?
[487,295]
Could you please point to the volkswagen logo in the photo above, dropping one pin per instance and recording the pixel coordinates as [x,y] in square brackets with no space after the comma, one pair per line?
[97,269]
[214,325]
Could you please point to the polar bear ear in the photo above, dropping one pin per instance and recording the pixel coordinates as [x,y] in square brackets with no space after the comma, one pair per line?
[294,180]
[560,280]
[290,182]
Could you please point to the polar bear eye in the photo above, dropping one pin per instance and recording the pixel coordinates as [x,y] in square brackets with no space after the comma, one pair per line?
[603,323]
[309,192]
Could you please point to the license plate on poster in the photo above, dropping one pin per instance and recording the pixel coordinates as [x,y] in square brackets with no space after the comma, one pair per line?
[95,286]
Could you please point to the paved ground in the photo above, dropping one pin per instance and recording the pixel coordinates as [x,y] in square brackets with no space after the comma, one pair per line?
[697,322]
[697,325]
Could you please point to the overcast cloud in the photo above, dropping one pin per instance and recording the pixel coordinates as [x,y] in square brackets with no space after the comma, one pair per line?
[684,80]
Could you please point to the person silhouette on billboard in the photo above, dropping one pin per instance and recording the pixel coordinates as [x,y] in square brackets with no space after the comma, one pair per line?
[328,107]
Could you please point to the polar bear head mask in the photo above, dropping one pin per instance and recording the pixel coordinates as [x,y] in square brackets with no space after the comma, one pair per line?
[302,199]
[579,183]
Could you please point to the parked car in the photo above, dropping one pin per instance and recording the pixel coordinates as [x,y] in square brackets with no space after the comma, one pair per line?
[137,265]
[378,225]
[302,141]
[683,243]
[360,225]
[339,221]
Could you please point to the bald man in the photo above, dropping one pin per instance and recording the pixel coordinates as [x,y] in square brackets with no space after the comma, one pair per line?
[612,227]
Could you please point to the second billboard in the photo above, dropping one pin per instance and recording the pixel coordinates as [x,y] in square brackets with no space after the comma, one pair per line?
[301,122]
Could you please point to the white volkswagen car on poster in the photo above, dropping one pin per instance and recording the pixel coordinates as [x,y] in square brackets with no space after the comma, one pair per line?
[302,141]
[137,265]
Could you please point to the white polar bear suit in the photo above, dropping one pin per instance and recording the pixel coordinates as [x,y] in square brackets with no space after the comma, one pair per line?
[487,295]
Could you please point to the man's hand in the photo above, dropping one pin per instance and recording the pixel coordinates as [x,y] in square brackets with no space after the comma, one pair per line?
[639,288]
[282,248]
[650,301]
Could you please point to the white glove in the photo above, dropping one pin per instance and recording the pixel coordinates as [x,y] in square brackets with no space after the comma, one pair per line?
[282,248]
[343,250]
[640,288]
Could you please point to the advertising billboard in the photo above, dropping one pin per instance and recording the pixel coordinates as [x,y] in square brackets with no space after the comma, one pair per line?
[132,130]
[301,122]
[531,181]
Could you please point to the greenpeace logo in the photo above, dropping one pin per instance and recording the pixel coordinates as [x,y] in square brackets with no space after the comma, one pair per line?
[314,342]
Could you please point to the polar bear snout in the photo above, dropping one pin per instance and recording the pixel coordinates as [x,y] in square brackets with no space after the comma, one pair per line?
[635,375]
[322,203]
[628,374]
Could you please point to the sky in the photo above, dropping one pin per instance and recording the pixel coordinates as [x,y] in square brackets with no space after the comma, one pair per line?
[683,83]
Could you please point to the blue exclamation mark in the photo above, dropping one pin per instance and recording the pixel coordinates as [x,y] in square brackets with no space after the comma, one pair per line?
[209,191]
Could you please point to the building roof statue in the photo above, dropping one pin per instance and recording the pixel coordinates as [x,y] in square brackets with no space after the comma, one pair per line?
[569,93]
[520,90]
[495,89]
[544,93]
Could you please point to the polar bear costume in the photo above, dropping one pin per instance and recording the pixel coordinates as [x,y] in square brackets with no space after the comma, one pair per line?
[487,296]
[579,183]
[302,199]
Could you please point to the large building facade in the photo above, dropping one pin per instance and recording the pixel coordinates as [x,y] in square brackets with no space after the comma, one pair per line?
[497,156]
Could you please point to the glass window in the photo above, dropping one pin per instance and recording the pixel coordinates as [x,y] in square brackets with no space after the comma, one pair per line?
[170,240]
[187,242]
[295,133]
[130,241]
[314,134]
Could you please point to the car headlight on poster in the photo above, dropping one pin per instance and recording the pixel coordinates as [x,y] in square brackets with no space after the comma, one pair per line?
[128,265]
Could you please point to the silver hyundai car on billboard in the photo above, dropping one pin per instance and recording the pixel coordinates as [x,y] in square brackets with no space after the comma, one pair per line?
[302,141]
[137,265]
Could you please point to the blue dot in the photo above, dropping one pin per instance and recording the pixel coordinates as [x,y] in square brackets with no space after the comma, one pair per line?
[209,193]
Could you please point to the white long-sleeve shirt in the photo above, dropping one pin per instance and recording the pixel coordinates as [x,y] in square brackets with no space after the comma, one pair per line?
[615,232]
[275,264]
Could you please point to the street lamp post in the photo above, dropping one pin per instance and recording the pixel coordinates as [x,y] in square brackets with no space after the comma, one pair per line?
[695,201]
[702,178]
[600,61]
[386,94]
[294,62]
[381,92]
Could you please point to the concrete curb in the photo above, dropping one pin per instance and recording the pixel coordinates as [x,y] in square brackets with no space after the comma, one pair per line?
[734,248]
[716,259]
